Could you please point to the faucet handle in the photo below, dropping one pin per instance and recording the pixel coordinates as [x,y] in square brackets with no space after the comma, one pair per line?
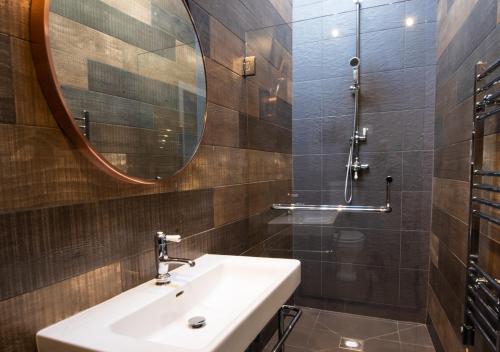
[168,238]
[173,238]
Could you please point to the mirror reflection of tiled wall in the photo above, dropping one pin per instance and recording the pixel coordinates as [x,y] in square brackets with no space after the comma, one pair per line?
[136,68]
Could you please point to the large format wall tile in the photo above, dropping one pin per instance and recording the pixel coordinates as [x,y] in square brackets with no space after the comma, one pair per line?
[7,107]
[467,33]
[72,236]
[398,69]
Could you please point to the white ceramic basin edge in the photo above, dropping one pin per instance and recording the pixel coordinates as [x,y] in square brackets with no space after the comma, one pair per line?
[237,295]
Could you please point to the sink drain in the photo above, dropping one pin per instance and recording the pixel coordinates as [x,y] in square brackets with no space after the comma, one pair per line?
[197,322]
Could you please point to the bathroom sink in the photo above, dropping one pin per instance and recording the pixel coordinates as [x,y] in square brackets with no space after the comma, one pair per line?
[236,296]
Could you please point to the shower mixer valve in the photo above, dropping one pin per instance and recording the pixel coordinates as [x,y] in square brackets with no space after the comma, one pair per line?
[360,138]
[356,167]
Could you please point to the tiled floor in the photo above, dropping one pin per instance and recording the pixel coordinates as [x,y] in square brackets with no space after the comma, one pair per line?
[322,331]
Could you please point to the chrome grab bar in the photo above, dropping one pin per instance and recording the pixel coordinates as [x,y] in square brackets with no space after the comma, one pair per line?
[387,208]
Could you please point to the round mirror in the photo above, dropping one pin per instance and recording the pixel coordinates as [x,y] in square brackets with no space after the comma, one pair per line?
[125,80]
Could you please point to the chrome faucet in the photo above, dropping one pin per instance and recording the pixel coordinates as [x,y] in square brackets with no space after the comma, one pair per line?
[356,167]
[162,258]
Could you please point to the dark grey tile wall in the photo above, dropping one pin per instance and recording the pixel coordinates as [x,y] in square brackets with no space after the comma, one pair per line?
[365,263]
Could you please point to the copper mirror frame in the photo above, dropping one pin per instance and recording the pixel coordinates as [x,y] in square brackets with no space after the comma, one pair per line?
[49,83]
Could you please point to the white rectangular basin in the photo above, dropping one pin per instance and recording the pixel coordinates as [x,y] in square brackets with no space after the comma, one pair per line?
[236,295]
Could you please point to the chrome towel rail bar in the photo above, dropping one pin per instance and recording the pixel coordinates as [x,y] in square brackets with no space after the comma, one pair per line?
[387,208]
[486,173]
[482,292]
[485,187]
[488,85]
[488,70]
[487,114]
[487,202]
[486,217]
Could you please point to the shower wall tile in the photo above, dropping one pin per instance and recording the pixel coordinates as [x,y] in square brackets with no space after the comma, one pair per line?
[336,133]
[422,10]
[416,209]
[397,107]
[343,22]
[372,179]
[307,31]
[307,62]
[413,284]
[336,96]
[336,53]
[420,45]
[452,161]
[311,278]
[385,128]
[307,99]
[383,17]
[361,246]
[307,172]
[307,242]
[415,247]
[418,129]
[360,283]
[307,197]
[307,136]
[417,171]
[383,50]
[380,88]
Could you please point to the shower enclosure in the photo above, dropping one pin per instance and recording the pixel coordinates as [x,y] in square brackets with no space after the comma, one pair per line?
[363,109]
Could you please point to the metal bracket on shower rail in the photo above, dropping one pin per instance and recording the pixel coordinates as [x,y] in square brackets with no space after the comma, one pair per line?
[345,208]
[286,311]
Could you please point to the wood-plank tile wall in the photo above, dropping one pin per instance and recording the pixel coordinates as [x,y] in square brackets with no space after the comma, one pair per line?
[468,31]
[71,236]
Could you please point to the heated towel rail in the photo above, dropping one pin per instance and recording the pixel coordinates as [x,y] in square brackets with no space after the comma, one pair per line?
[386,208]
[482,292]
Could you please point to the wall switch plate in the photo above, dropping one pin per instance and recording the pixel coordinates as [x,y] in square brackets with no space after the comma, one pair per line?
[249,66]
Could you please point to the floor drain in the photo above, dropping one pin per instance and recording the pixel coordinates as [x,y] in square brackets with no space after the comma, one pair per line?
[197,322]
[351,344]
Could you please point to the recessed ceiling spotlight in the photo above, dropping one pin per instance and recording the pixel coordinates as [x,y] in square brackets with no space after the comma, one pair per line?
[335,33]
[409,21]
